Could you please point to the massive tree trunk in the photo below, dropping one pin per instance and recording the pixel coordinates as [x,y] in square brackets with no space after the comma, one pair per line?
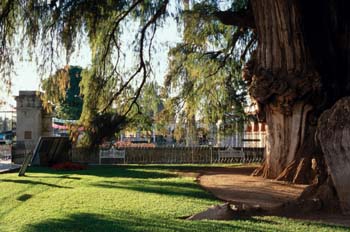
[286,135]
[283,80]
[300,68]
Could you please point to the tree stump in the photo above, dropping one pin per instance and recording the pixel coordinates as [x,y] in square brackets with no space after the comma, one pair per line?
[333,134]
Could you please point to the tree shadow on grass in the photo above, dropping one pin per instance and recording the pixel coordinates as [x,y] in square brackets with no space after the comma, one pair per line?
[150,171]
[54,177]
[109,171]
[246,169]
[128,222]
[159,183]
[31,182]
[181,189]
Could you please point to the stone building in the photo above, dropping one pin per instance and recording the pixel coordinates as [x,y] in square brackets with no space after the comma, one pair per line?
[32,120]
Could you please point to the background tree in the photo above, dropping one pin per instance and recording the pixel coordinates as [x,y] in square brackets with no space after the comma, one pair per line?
[204,76]
[144,116]
[63,92]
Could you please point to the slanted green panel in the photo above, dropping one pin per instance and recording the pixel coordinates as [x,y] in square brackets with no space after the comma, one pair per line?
[51,150]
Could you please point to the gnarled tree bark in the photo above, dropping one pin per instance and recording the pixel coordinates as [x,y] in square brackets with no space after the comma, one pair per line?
[334,136]
[282,79]
[299,69]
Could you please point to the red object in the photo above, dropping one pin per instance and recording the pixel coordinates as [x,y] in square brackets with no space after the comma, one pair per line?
[68,166]
[249,128]
[256,127]
[65,127]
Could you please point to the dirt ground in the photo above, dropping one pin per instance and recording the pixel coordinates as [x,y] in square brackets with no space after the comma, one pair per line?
[235,185]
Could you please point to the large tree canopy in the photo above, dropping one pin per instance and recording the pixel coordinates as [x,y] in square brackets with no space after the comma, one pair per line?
[48,28]
[296,55]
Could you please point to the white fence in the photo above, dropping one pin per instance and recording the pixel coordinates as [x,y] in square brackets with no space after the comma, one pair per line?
[168,155]
[245,140]
[231,155]
[254,139]
[5,152]
[111,154]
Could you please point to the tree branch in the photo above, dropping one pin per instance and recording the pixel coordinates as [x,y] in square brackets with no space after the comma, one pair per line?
[246,49]
[142,65]
[232,44]
[153,20]
[243,18]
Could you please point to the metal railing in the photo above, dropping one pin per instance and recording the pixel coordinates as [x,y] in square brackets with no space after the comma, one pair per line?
[170,155]
[5,152]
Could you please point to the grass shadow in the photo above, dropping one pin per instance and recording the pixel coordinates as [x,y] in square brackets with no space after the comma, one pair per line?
[54,177]
[181,189]
[31,182]
[150,171]
[77,222]
[109,171]
[127,222]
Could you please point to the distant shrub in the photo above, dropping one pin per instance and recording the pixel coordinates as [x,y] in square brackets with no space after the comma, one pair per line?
[68,166]
[123,144]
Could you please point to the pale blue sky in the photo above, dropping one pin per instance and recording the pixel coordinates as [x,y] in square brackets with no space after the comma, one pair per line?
[27,77]
[168,35]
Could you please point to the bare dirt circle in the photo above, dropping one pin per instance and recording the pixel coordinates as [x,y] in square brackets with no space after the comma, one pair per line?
[237,186]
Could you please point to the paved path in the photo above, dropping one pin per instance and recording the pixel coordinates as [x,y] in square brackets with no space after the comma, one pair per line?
[8,167]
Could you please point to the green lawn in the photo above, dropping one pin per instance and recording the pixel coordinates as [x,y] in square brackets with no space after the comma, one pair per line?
[128,198]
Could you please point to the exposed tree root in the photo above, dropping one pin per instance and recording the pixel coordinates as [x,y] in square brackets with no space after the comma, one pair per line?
[217,212]
[261,171]
[315,198]
[295,209]
[325,193]
[289,173]
[226,211]
[320,195]
[298,172]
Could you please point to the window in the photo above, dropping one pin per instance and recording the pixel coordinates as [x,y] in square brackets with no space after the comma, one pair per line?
[27,135]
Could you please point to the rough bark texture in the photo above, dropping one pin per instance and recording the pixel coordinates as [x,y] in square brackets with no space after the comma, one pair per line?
[334,136]
[286,129]
[300,68]
[282,79]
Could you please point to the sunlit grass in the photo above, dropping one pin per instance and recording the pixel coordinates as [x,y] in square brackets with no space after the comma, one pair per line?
[111,198]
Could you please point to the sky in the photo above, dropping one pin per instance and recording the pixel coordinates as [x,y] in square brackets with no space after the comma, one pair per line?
[26,76]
